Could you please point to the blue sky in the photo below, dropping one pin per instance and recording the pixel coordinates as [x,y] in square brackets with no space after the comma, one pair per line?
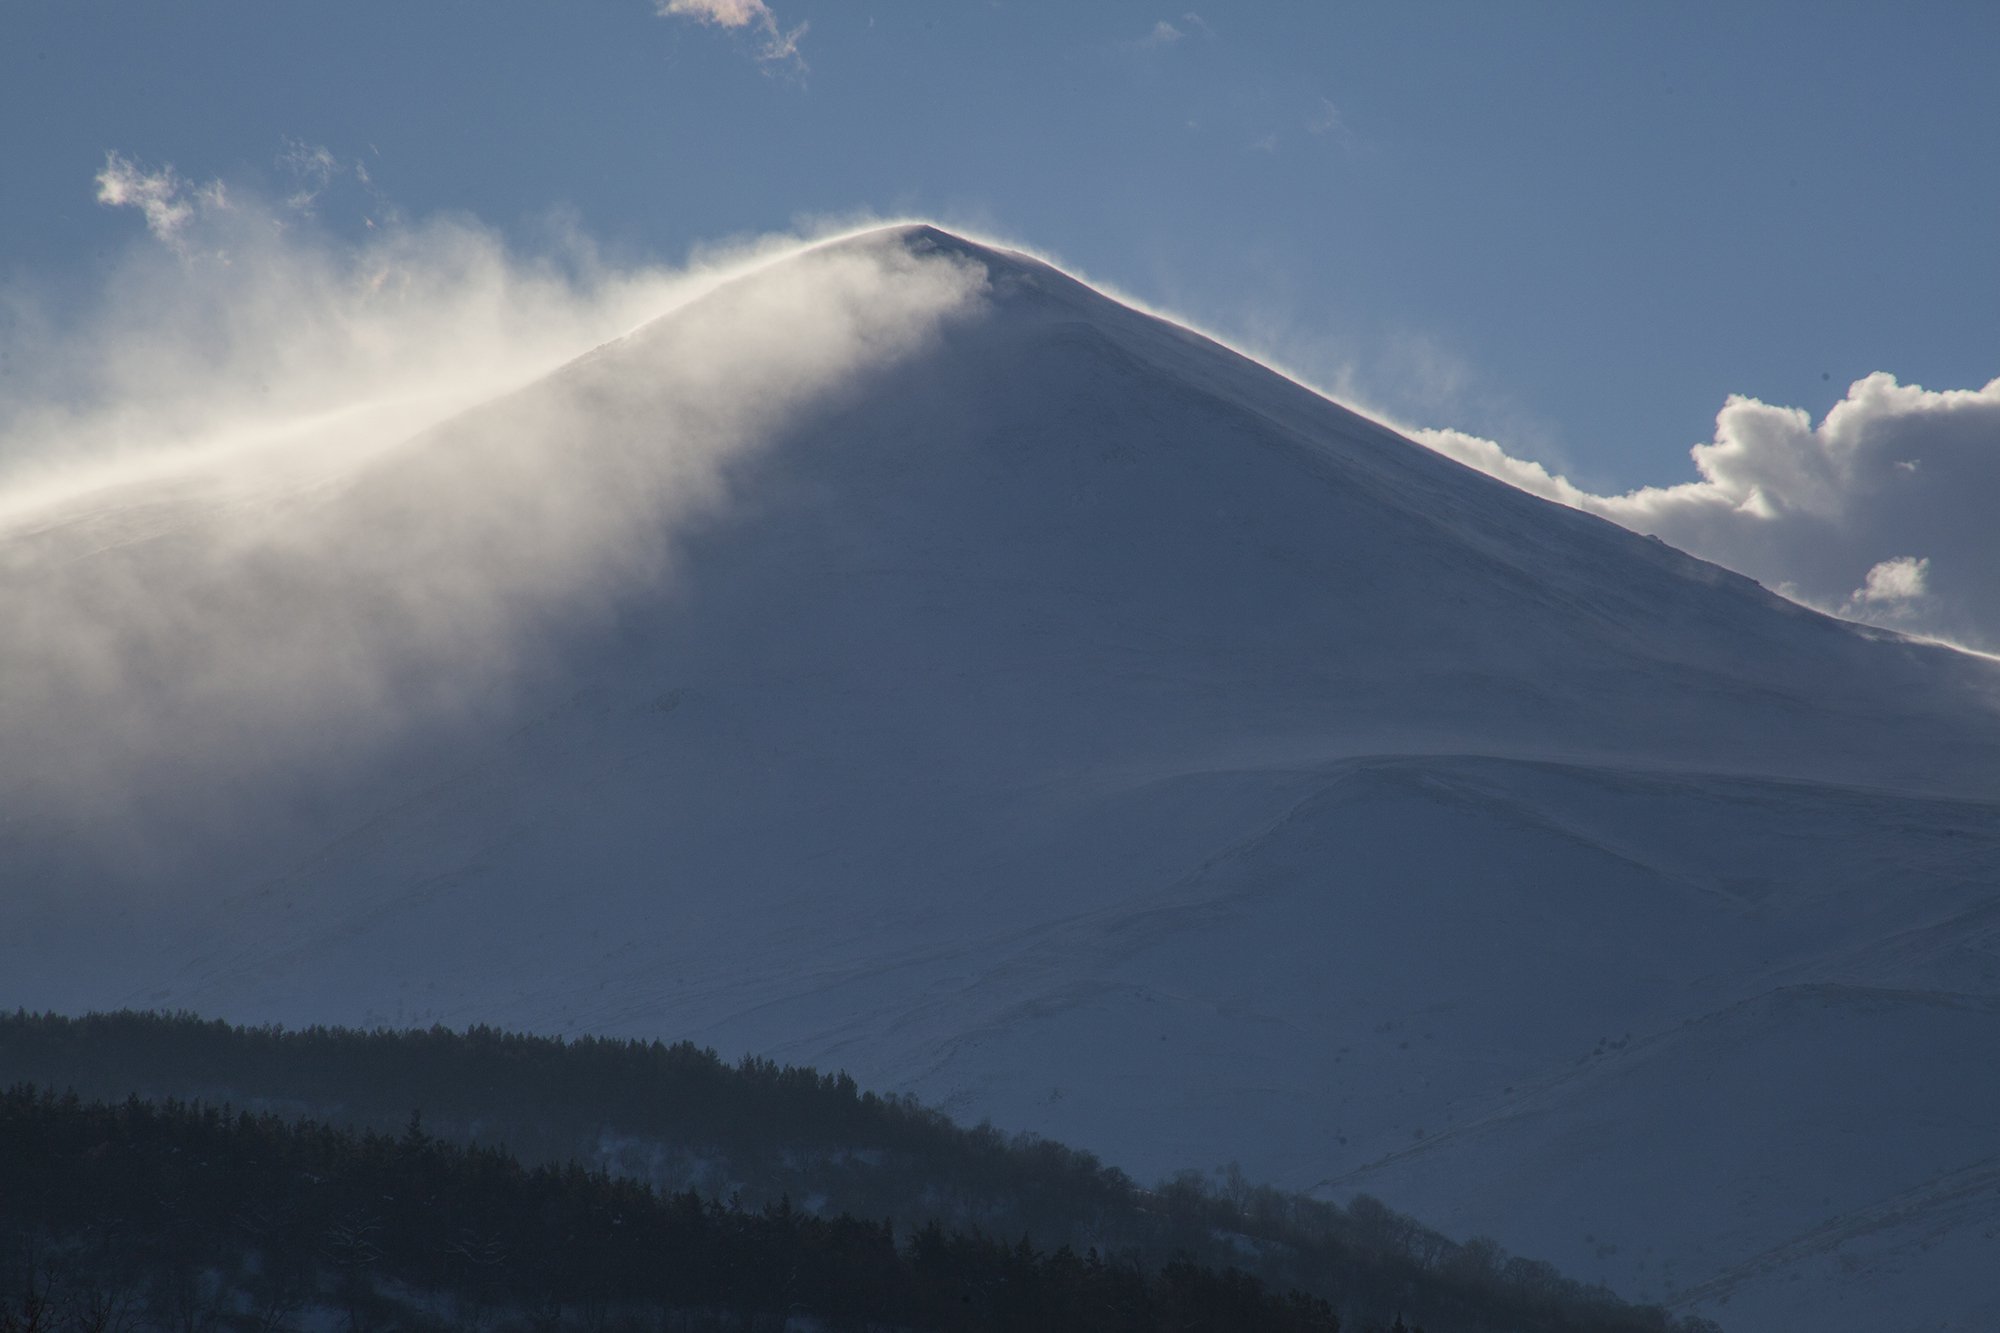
[1574,229]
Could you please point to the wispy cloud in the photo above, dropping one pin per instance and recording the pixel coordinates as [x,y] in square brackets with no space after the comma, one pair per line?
[316,170]
[1170,32]
[1882,512]
[1326,121]
[776,44]
[313,166]
[167,202]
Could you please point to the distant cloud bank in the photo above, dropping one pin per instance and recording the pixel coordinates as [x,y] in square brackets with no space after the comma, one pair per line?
[1882,512]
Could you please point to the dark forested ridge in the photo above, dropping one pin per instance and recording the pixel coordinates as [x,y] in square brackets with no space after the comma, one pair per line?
[553,1129]
[191,1218]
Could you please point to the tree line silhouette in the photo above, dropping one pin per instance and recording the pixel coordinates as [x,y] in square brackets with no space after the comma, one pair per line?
[782,1141]
[199,1218]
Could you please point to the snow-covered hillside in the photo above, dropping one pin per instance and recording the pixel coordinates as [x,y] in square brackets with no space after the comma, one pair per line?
[908,659]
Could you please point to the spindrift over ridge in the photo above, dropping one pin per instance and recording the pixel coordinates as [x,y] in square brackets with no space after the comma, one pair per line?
[906,658]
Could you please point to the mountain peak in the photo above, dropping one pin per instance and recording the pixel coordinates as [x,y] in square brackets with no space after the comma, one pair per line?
[926,238]
[1030,704]
[1011,272]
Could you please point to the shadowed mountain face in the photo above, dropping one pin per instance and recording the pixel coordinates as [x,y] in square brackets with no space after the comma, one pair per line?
[910,660]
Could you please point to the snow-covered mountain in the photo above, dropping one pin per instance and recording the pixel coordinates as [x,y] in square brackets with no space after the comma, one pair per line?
[908,659]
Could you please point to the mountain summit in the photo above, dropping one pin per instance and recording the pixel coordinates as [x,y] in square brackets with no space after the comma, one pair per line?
[908,659]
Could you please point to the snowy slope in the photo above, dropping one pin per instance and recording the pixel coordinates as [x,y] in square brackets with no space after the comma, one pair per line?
[910,660]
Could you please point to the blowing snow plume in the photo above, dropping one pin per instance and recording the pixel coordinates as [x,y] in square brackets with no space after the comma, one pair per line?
[253,521]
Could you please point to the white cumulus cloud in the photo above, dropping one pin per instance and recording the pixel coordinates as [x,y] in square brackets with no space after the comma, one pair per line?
[1898,580]
[1883,511]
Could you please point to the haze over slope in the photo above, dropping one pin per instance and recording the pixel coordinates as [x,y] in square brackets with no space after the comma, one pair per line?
[907,659]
